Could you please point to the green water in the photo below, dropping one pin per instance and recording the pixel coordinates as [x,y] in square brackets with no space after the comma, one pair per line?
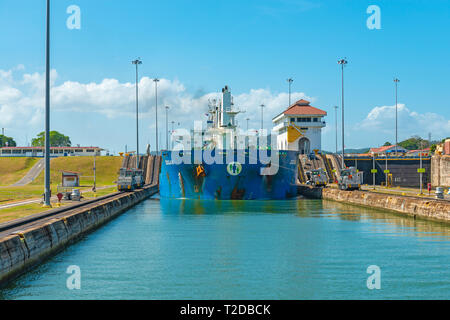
[298,249]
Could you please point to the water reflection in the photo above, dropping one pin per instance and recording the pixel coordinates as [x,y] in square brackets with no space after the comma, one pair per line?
[306,208]
[355,213]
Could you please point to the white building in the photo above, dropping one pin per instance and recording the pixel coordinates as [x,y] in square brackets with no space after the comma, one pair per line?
[299,128]
[54,151]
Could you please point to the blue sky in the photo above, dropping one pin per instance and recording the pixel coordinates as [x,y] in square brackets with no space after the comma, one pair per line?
[199,46]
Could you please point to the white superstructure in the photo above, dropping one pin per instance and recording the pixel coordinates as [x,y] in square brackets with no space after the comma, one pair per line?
[221,127]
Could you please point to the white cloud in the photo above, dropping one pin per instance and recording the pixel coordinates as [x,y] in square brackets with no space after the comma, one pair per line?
[382,120]
[22,101]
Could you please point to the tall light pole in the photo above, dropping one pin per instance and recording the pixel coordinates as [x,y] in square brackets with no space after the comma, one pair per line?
[173,123]
[262,117]
[343,62]
[248,119]
[156,80]
[396,81]
[137,62]
[373,170]
[167,127]
[290,80]
[421,165]
[336,126]
[47,191]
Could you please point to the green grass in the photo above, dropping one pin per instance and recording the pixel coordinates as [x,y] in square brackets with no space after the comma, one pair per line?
[11,194]
[107,173]
[13,169]
[100,193]
[107,170]
[21,211]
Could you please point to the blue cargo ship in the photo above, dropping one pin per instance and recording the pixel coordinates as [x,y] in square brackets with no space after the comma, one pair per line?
[223,163]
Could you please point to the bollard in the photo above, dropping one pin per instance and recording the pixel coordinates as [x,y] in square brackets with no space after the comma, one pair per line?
[439,193]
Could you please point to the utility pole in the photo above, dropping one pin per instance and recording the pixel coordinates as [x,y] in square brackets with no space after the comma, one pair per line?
[290,80]
[167,127]
[47,191]
[343,62]
[336,125]
[396,81]
[156,80]
[137,62]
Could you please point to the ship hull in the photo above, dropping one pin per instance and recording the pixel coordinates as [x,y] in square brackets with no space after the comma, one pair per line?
[224,182]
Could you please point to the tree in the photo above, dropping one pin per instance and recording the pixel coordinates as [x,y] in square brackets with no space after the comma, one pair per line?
[56,140]
[7,141]
[414,143]
[433,148]
[387,144]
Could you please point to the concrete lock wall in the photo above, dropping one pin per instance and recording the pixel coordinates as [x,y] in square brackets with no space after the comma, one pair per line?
[413,206]
[440,171]
[425,208]
[28,247]
[404,171]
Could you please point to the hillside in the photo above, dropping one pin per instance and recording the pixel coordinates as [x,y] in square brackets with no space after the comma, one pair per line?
[13,169]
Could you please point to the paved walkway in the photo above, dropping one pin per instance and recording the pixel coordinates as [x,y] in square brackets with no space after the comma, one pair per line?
[405,191]
[32,174]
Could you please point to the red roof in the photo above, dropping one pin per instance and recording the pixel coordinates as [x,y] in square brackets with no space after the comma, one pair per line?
[68,173]
[385,148]
[419,150]
[302,107]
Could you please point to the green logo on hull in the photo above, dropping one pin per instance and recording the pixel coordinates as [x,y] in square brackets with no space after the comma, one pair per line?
[234,168]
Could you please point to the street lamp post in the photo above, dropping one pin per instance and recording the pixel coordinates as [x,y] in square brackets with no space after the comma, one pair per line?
[262,117]
[290,80]
[343,62]
[396,81]
[156,80]
[386,172]
[167,127]
[95,176]
[373,170]
[248,119]
[47,192]
[137,62]
[421,176]
[336,126]
[171,139]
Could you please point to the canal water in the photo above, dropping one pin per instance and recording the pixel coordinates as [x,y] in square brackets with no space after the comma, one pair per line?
[298,249]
